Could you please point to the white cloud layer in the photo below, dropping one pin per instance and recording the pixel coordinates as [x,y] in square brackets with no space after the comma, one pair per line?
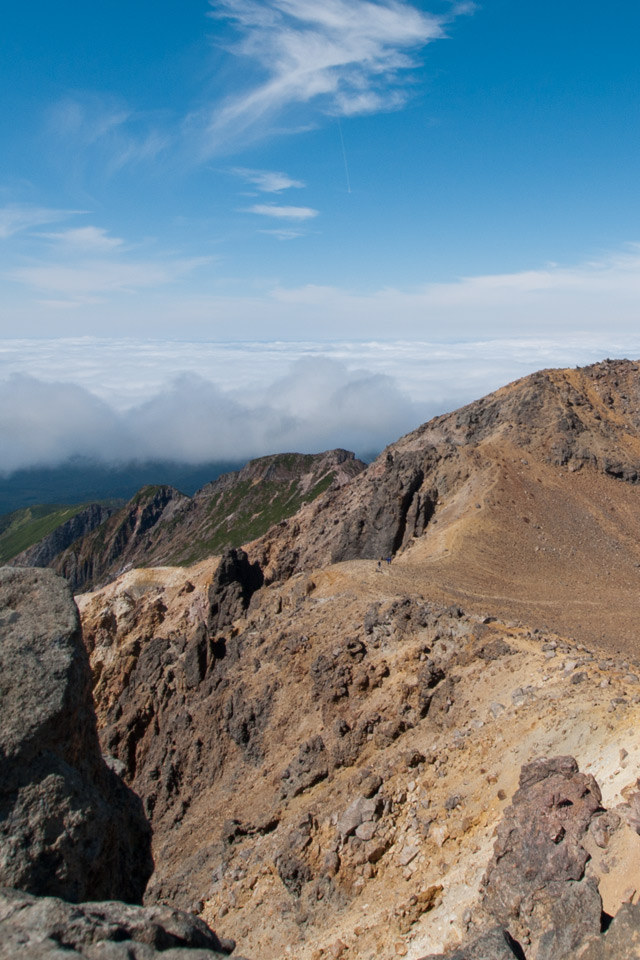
[318,404]
[115,401]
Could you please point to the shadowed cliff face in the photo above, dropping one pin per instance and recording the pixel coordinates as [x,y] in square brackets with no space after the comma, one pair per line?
[68,825]
[121,540]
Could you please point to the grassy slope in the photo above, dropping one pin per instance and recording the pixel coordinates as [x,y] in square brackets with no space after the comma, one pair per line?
[23,528]
[248,512]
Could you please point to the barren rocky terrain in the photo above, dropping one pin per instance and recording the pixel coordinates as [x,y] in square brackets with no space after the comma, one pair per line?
[326,742]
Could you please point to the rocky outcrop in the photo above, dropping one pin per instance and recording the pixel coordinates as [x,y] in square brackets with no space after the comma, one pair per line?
[43,553]
[539,902]
[69,827]
[235,582]
[39,927]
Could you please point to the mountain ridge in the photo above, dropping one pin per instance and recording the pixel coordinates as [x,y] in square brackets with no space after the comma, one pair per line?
[512,495]
[160,525]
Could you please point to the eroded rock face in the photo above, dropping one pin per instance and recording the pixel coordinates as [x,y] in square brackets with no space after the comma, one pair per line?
[234,584]
[69,827]
[43,553]
[34,927]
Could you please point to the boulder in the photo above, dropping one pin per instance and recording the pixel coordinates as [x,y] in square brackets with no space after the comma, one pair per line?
[535,885]
[46,927]
[69,827]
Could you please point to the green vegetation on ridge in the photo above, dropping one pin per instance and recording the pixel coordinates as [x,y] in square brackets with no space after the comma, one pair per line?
[22,528]
[246,512]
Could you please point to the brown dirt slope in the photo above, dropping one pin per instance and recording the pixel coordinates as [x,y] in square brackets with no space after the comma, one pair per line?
[527,500]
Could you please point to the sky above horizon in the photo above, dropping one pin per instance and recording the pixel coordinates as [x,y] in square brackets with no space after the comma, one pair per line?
[284,169]
[461,176]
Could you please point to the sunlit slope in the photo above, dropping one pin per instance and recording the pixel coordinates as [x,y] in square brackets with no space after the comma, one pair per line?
[526,502]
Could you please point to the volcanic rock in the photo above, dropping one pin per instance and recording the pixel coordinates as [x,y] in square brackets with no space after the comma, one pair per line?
[535,883]
[69,827]
[234,584]
[496,944]
[621,941]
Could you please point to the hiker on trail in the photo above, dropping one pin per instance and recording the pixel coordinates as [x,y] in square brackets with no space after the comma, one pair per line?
[380,565]
[388,559]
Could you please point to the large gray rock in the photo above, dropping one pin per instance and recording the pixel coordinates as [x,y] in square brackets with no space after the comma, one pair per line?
[32,928]
[69,827]
[535,885]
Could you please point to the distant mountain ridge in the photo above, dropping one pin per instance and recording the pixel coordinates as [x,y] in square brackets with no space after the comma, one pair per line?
[37,534]
[81,480]
[161,526]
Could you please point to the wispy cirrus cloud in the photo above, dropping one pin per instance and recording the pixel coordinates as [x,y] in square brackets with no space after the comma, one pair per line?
[108,131]
[283,233]
[16,218]
[268,181]
[283,213]
[86,239]
[348,56]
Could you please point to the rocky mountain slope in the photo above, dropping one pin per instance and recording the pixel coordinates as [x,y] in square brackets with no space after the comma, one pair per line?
[326,744]
[527,500]
[161,525]
[326,773]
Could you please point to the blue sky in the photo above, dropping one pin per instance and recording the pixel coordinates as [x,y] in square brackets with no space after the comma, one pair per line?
[449,189]
[177,170]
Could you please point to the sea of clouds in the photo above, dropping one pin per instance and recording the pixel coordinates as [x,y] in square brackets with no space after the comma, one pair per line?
[117,401]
